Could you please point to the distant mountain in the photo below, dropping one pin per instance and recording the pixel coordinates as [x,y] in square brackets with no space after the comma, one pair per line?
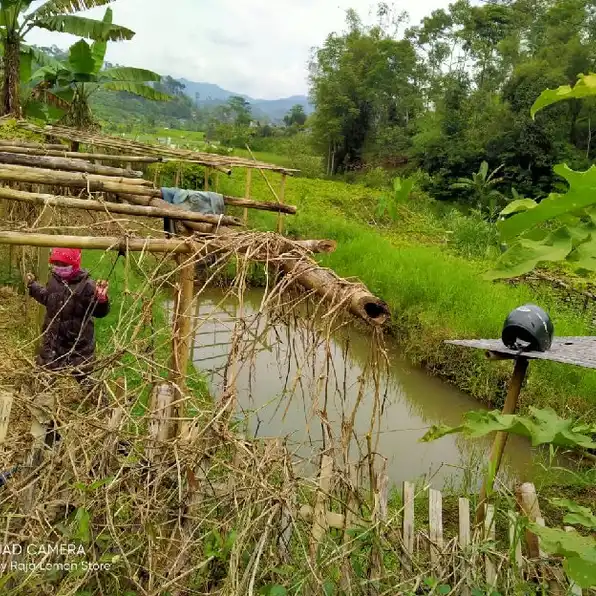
[272,109]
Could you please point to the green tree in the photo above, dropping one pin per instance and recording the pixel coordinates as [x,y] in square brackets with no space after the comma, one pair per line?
[52,15]
[296,116]
[361,83]
[69,85]
[240,110]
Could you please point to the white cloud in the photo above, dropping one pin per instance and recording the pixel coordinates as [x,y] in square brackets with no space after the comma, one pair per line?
[260,48]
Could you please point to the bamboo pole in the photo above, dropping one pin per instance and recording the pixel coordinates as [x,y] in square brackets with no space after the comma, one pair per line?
[81,155]
[182,336]
[18,143]
[496,455]
[66,164]
[43,268]
[282,195]
[247,194]
[260,205]
[107,207]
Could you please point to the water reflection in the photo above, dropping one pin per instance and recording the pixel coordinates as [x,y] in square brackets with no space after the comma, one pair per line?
[284,383]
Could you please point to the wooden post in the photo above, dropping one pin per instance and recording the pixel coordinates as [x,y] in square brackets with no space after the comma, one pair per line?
[408,520]
[464,541]
[490,534]
[160,410]
[517,379]
[182,329]
[216,181]
[43,269]
[207,173]
[282,195]
[247,193]
[6,400]
[435,518]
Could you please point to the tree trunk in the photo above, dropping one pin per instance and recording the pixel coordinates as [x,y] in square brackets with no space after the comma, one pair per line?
[12,68]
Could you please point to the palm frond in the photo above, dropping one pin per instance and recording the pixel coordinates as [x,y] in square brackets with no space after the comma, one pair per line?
[134,75]
[137,89]
[84,27]
[57,7]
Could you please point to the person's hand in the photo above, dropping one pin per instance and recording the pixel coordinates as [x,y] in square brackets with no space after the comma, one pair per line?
[29,279]
[101,290]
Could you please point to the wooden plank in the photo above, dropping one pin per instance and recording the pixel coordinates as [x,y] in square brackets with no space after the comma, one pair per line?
[515,541]
[6,401]
[320,524]
[464,542]
[408,520]
[574,589]
[490,534]
[435,519]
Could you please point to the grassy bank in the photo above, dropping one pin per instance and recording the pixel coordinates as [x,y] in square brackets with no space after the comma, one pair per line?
[434,294]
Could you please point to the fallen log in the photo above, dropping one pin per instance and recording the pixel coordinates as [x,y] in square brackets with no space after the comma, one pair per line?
[356,298]
[92,182]
[325,283]
[76,154]
[65,164]
[107,207]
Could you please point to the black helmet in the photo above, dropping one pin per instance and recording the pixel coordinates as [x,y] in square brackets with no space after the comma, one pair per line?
[528,327]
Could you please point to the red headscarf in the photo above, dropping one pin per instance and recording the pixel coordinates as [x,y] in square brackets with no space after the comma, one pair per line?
[70,256]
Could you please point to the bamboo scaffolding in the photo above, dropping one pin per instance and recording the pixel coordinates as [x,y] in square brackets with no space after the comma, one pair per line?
[116,143]
[66,164]
[108,207]
[120,186]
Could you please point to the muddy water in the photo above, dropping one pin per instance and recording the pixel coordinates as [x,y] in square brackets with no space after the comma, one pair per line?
[276,385]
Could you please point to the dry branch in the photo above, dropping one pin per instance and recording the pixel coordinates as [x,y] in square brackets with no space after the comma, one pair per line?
[108,207]
[66,164]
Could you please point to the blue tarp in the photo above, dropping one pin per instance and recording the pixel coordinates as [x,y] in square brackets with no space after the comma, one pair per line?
[199,201]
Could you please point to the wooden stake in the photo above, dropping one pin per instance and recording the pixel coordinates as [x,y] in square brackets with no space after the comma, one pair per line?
[182,333]
[464,541]
[435,518]
[517,379]
[160,427]
[282,195]
[489,534]
[408,520]
[247,192]
[43,269]
[6,400]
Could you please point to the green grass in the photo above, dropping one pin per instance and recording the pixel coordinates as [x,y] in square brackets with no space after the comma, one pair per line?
[434,295]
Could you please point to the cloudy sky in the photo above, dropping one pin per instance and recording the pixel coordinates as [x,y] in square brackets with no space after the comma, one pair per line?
[256,47]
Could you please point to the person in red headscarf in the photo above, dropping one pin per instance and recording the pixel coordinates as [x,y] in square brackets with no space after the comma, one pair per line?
[72,300]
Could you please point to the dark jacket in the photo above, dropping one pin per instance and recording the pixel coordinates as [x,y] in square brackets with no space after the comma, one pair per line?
[68,329]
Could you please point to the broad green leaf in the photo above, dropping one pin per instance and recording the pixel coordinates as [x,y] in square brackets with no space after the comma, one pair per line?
[578,515]
[80,58]
[541,426]
[583,258]
[519,205]
[133,75]
[82,520]
[483,171]
[525,254]
[26,63]
[403,189]
[585,87]
[43,60]
[100,47]
[137,89]
[84,27]
[56,7]
[36,109]
[579,552]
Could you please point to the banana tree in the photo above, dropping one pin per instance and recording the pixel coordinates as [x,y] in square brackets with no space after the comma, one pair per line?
[53,15]
[69,85]
[482,188]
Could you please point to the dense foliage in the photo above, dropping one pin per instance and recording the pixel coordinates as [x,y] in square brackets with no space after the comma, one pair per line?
[456,90]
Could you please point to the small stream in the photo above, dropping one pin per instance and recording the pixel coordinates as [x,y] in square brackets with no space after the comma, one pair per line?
[276,388]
